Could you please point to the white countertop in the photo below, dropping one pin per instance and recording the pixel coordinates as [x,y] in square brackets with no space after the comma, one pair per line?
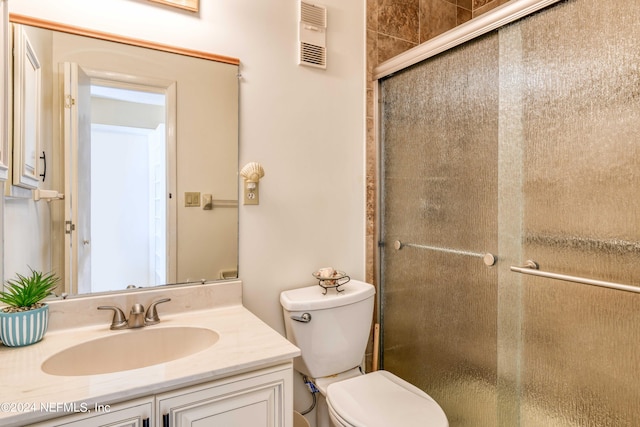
[246,343]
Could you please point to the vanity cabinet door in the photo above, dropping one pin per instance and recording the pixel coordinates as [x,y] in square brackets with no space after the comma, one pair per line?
[258,399]
[135,413]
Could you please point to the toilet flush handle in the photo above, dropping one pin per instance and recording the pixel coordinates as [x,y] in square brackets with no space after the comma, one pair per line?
[305,318]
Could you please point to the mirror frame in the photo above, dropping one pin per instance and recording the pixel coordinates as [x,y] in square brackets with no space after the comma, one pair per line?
[79,31]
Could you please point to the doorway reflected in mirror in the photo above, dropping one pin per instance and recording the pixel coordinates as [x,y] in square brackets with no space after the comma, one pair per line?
[128,232]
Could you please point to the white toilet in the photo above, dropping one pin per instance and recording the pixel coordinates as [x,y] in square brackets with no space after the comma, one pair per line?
[331,327]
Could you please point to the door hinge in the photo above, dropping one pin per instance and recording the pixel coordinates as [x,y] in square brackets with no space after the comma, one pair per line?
[69,101]
[69,227]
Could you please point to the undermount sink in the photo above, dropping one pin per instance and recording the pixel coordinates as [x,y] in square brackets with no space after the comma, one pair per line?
[130,349]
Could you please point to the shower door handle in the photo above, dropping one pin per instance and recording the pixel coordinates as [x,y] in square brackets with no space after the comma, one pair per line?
[305,318]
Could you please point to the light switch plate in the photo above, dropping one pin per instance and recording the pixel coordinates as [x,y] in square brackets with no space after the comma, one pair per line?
[191,199]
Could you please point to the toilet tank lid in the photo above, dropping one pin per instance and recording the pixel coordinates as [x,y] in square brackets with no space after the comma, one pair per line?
[313,297]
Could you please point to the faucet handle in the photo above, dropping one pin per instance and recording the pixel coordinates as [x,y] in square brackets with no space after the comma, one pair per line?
[151,318]
[119,320]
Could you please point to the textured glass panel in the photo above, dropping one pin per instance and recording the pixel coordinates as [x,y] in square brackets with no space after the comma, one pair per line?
[581,117]
[440,177]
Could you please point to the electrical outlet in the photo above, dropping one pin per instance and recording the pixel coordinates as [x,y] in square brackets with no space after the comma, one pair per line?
[251,193]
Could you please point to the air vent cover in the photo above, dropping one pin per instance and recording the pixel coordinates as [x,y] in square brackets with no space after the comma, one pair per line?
[313,35]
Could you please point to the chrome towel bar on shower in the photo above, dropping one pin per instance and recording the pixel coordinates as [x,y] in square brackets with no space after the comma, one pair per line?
[532,268]
[488,258]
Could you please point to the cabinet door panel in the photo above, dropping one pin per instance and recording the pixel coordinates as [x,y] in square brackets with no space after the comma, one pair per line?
[256,400]
[246,409]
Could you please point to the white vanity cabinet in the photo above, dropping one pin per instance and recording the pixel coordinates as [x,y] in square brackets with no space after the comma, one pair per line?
[256,399]
[262,398]
[244,379]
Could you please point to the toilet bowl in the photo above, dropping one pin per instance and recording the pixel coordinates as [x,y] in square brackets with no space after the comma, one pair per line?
[381,399]
[331,327]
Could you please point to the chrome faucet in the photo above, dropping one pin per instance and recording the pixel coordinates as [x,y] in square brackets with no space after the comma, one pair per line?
[138,318]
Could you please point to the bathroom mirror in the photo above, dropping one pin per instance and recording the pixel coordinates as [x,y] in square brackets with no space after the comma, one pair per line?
[146,202]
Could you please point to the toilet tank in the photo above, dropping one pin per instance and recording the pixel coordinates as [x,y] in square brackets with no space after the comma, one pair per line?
[335,338]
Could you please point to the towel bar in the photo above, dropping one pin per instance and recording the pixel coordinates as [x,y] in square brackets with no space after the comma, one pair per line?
[532,268]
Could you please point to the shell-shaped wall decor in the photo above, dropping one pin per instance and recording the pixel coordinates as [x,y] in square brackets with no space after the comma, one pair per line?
[252,172]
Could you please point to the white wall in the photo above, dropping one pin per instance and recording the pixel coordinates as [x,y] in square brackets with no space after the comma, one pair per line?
[305,126]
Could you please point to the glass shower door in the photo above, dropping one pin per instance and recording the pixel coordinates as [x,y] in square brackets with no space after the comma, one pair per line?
[440,191]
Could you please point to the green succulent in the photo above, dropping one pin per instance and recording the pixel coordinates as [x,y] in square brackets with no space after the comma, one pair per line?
[27,291]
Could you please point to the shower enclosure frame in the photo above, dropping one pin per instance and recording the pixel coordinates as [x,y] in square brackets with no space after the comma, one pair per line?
[544,114]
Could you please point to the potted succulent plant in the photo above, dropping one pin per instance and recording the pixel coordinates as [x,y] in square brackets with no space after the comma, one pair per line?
[25,319]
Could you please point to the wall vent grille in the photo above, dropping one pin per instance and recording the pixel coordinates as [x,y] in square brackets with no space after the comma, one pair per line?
[313,35]
[313,55]
[313,15]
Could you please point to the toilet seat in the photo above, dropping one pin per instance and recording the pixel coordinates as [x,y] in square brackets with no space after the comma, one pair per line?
[381,399]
